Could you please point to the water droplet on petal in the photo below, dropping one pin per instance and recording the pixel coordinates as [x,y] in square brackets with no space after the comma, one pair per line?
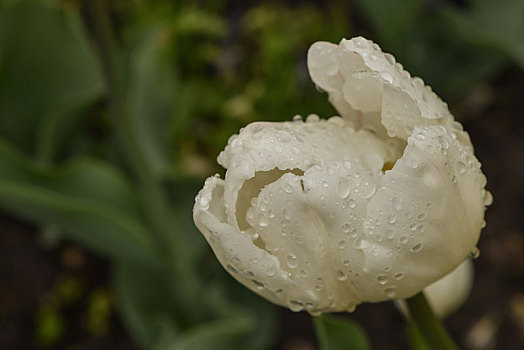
[392,218]
[461,167]
[475,253]
[382,279]
[341,275]
[399,275]
[417,248]
[390,291]
[343,187]
[292,261]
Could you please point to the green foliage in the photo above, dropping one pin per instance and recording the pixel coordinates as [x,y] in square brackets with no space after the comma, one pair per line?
[193,75]
[453,49]
[335,333]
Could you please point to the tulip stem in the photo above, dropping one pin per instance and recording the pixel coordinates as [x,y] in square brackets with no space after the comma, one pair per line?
[429,325]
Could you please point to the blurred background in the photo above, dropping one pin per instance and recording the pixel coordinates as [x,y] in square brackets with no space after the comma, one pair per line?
[112,114]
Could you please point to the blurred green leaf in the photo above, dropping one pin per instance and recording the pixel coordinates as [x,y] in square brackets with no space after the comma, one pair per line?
[497,25]
[335,333]
[151,96]
[393,20]
[222,334]
[48,75]
[145,303]
[90,200]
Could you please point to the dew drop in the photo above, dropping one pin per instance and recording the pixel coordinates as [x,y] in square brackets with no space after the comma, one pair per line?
[461,167]
[382,279]
[341,244]
[204,203]
[352,203]
[292,261]
[343,187]
[295,305]
[271,270]
[403,239]
[417,248]
[346,227]
[399,275]
[390,291]
[263,221]
[475,253]
[488,198]
[392,218]
[341,275]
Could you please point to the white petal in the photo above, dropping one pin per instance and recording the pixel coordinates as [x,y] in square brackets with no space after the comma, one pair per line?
[367,80]
[427,213]
[245,261]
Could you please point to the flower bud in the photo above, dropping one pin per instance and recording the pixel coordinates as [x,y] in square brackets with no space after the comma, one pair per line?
[372,205]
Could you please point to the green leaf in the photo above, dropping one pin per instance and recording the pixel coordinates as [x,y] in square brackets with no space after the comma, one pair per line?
[49,75]
[498,25]
[145,303]
[151,95]
[89,200]
[392,19]
[335,333]
[222,334]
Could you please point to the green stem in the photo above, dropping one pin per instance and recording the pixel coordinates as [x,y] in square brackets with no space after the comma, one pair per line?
[428,324]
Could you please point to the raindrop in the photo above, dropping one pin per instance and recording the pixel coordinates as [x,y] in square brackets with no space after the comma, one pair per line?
[461,167]
[312,118]
[352,203]
[284,136]
[399,275]
[341,276]
[346,227]
[403,239]
[292,261]
[488,198]
[390,234]
[297,118]
[390,291]
[341,244]
[392,218]
[343,187]
[421,217]
[204,203]
[295,305]
[475,253]
[382,279]
[258,284]
[231,268]
[263,221]
[271,270]
[417,248]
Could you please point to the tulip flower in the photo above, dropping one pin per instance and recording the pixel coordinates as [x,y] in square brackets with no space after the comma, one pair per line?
[371,205]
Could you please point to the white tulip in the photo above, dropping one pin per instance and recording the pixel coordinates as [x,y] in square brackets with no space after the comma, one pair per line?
[370,206]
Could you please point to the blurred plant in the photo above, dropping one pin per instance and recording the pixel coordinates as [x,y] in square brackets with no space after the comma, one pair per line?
[109,152]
